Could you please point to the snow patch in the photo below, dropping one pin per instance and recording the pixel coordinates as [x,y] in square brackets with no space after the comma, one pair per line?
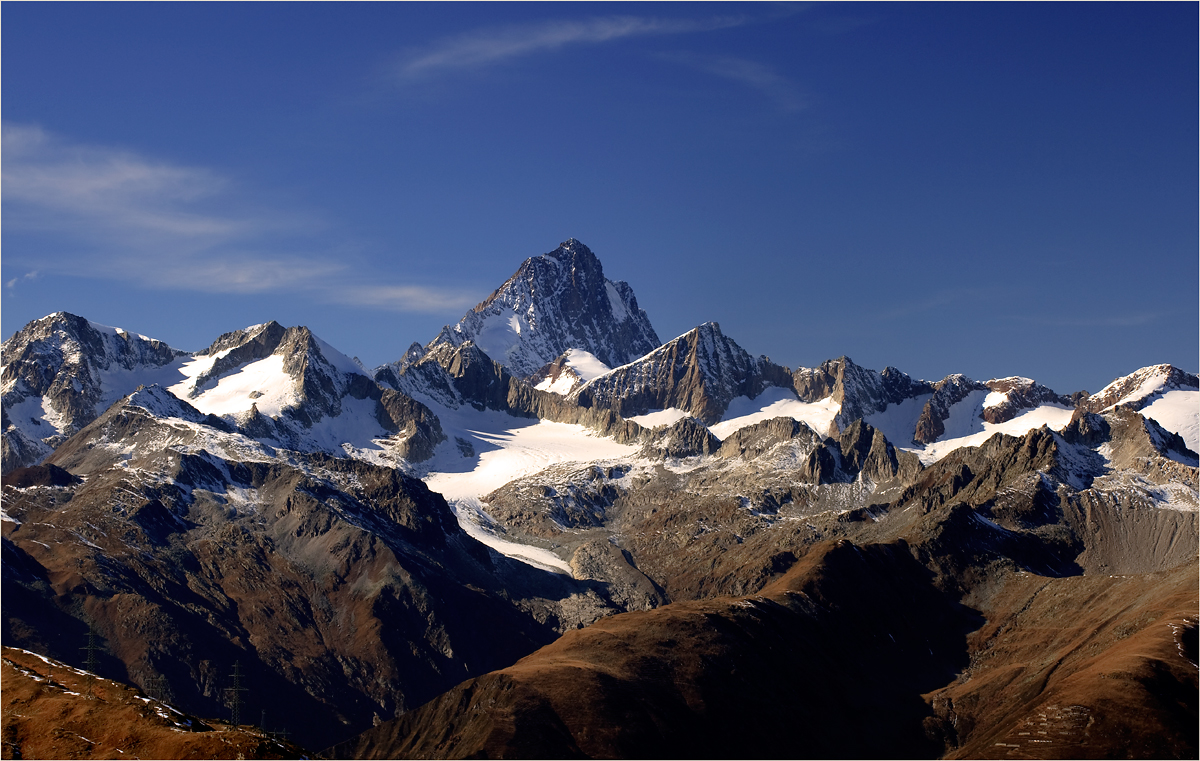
[498,335]
[1053,415]
[655,418]
[1179,412]
[619,312]
[995,399]
[263,383]
[562,385]
[585,364]
[777,402]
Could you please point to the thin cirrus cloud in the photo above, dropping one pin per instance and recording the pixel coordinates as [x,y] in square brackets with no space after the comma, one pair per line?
[753,74]
[481,47]
[113,214]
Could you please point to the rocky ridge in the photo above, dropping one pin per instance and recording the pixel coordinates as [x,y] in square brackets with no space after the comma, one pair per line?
[699,372]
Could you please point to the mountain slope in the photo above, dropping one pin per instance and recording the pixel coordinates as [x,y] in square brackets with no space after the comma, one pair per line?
[52,710]
[344,589]
[992,549]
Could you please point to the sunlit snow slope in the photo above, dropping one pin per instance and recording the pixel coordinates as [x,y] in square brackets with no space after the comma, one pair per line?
[486,450]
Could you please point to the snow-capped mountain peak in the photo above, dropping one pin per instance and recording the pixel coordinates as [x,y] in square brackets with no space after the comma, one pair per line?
[556,302]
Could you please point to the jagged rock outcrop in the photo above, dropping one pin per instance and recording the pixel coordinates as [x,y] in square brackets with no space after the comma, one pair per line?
[859,391]
[753,440]
[699,372]
[866,451]
[554,302]
[686,437]
[947,392]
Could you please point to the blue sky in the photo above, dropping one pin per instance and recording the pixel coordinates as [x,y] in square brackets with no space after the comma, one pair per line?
[986,189]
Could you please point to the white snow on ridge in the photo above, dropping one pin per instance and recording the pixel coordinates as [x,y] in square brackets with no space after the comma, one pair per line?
[585,364]
[263,383]
[773,403]
[1153,381]
[655,418]
[337,359]
[1055,416]
[1179,412]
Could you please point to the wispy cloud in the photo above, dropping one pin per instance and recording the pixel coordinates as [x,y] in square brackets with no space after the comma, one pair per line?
[415,298]
[937,301]
[12,283]
[114,214]
[491,45]
[753,74]
[1127,320]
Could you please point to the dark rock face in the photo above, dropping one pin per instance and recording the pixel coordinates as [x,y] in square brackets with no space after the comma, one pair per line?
[555,302]
[865,450]
[684,438]
[39,475]
[421,429]
[949,391]
[700,373]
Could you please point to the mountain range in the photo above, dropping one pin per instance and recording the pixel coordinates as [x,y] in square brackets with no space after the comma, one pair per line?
[546,532]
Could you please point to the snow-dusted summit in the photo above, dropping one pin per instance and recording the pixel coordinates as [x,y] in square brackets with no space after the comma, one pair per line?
[553,303]
[62,371]
[1163,393]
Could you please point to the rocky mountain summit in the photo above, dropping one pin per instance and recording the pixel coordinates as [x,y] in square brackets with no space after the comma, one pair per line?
[545,534]
[60,372]
[555,302]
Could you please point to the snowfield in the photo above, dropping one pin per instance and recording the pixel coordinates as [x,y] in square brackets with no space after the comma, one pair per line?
[898,422]
[655,418]
[974,434]
[773,403]
[263,383]
[505,448]
[1178,411]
